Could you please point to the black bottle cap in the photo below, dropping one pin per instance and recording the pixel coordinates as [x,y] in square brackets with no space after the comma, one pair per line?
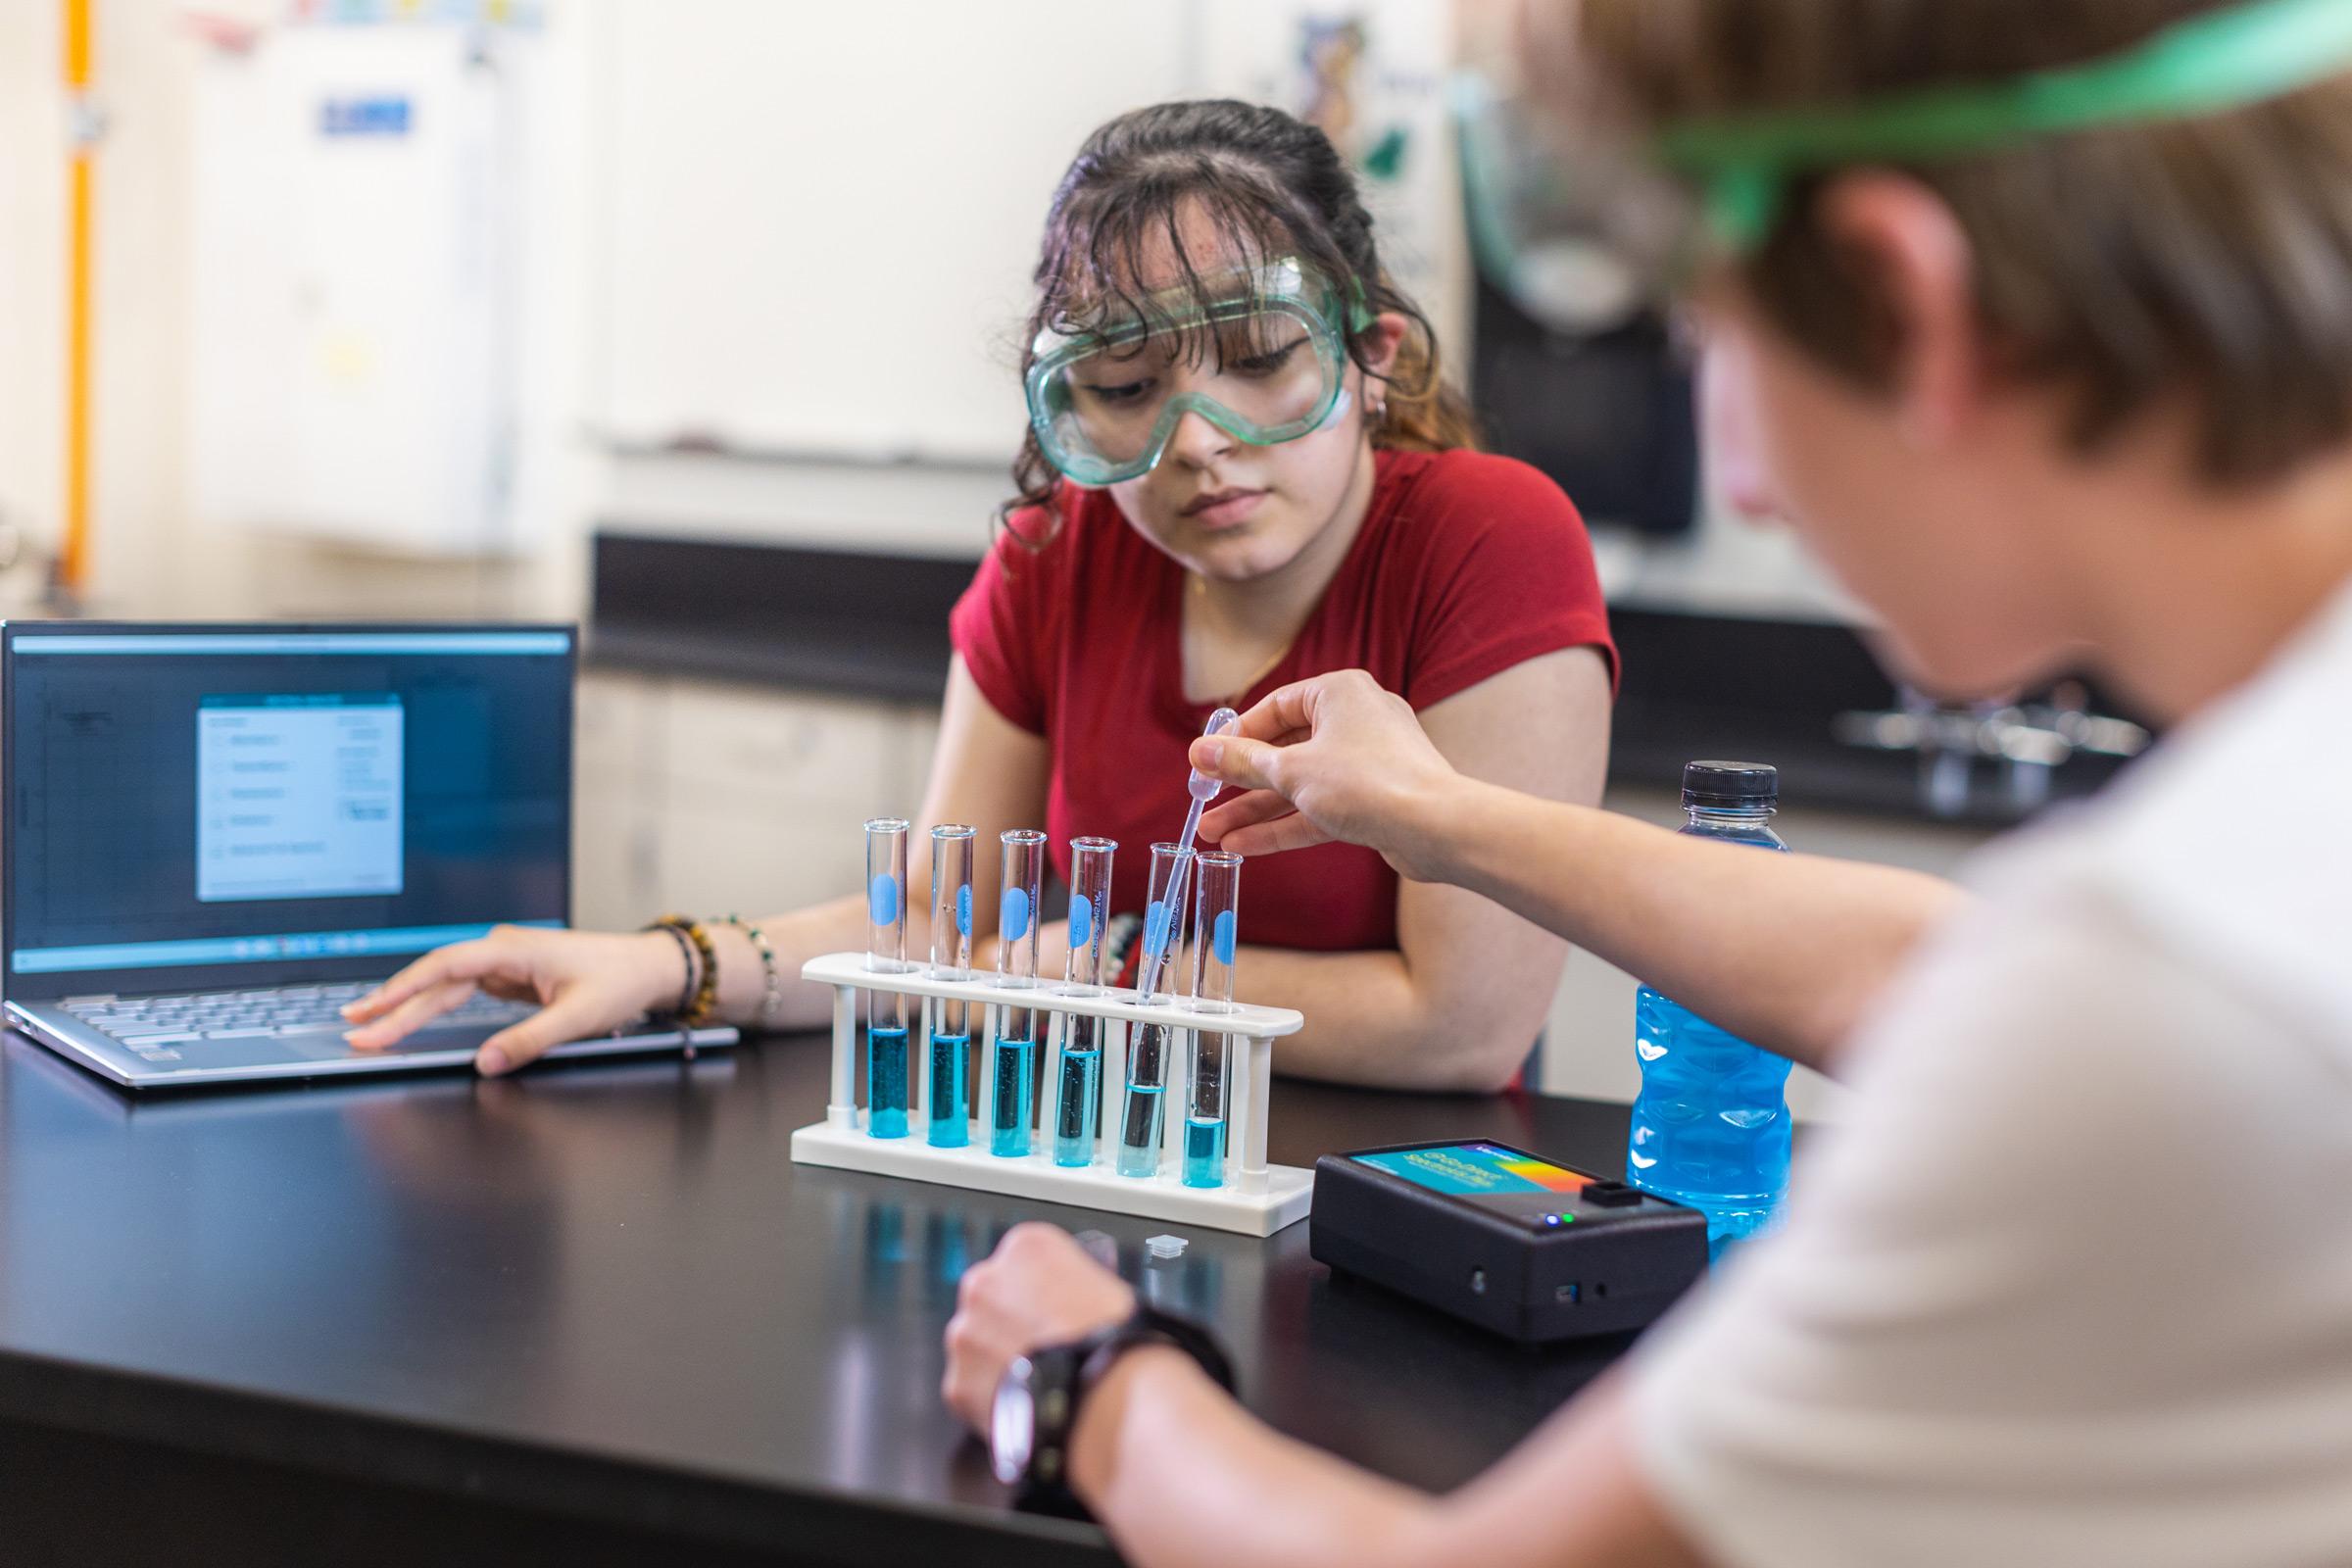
[1731,784]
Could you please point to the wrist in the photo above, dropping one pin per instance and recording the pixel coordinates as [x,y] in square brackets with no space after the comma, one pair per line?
[745,973]
[1432,825]
[664,969]
[1146,1372]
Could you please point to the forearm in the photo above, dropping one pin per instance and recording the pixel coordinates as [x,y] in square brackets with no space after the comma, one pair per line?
[1372,1019]
[1180,1475]
[1783,949]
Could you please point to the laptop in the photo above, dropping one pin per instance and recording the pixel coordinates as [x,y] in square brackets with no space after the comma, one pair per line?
[217,835]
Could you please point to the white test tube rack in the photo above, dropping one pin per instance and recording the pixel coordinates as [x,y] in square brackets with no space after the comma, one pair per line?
[1256,1199]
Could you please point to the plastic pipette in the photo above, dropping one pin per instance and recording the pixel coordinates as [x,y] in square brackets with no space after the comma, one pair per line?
[1199,786]
[1165,917]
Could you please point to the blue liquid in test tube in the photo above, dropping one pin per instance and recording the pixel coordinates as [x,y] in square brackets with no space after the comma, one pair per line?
[950,1098]
[1012,1088]
[951,1091]
[886,1081]
[1081,1094]
[1139,1138]
[885,954]
[1205,1151]
[1219,880]
[1078,1096]
[1014,1097]
[1139,1122]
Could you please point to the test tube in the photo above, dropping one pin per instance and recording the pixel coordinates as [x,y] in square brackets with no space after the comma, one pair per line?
[951,959]
[885,954]
[1219,880]
[1012,1099]
[1139,1121]
[1078,1099]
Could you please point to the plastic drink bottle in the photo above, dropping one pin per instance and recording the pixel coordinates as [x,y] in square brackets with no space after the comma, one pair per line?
[1710,1126]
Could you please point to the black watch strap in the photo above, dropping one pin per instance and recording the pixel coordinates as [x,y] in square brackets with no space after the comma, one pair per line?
[1149,1325]
[1053,1386]
[1073,1371]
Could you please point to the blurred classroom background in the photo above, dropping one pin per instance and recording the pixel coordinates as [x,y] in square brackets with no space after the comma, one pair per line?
[695,320]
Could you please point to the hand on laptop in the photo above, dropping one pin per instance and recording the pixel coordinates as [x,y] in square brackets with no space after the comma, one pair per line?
[587,983]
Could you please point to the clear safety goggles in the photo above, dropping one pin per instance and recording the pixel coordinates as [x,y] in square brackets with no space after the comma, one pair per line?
[1583,231]
[1263,358]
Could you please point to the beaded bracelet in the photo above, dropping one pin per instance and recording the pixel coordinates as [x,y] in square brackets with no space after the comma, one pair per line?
[702,999]
[685,966]
[772,988]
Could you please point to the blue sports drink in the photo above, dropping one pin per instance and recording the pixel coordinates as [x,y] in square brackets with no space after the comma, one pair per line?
[1710,1125]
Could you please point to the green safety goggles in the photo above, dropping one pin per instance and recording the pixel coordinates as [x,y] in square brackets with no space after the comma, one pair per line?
[1260,352]
[1728,175]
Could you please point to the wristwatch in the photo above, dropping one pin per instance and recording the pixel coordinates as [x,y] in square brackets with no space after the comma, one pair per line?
[1037,1403]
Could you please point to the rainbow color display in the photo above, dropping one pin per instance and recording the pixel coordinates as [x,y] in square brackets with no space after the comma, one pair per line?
[1469,1170]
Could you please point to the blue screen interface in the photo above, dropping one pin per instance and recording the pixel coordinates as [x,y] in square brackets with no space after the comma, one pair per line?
[333,802]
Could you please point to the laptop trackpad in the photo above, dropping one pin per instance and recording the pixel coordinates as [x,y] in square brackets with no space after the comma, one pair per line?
[328,1045]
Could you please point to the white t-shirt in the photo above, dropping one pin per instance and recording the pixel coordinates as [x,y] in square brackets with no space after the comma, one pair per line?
[2072,1284]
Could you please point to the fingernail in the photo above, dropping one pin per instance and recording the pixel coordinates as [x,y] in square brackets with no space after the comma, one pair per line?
[491,1062]
[1208,755]
[349,1009]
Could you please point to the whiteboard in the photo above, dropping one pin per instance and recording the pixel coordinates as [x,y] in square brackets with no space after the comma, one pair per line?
[351,267]
[820,218]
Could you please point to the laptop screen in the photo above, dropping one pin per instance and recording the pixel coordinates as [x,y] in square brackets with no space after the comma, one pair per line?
[198,808]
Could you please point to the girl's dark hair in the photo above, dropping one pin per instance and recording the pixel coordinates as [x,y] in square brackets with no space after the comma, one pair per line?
[1269,186]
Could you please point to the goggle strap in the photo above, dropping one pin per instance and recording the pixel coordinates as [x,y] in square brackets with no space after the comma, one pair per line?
[2208,64]
[1278,285]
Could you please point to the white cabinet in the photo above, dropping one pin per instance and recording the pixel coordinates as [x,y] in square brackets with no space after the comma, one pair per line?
[761,794]
[612,838]
[713,798]
[1589,1041]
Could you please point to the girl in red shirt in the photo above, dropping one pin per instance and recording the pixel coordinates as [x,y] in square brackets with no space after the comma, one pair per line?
[1243,468]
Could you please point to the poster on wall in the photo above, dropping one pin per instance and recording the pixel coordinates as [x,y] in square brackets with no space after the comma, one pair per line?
[1372,74]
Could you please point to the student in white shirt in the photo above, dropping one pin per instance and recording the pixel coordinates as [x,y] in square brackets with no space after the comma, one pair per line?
[2035,319]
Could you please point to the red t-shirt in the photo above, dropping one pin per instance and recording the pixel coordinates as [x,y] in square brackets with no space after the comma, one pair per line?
[1467,565]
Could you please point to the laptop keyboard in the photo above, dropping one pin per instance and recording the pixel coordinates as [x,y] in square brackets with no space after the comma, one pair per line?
[145,1023]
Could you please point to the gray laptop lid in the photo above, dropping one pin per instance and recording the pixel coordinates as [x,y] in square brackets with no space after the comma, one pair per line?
[202,807]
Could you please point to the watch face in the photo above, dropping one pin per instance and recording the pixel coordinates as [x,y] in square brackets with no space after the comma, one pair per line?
[1012,1422]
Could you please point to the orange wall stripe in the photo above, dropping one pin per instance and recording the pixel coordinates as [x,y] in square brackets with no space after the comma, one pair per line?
[73,558]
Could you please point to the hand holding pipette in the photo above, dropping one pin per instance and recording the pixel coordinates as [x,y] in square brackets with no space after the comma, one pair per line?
[1333,757]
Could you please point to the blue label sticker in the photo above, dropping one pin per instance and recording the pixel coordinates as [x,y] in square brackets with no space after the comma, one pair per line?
[363,116]
[1012,920]
[1155,928]
[963,910]
[1221,938]
[1082,922]
[882,899]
